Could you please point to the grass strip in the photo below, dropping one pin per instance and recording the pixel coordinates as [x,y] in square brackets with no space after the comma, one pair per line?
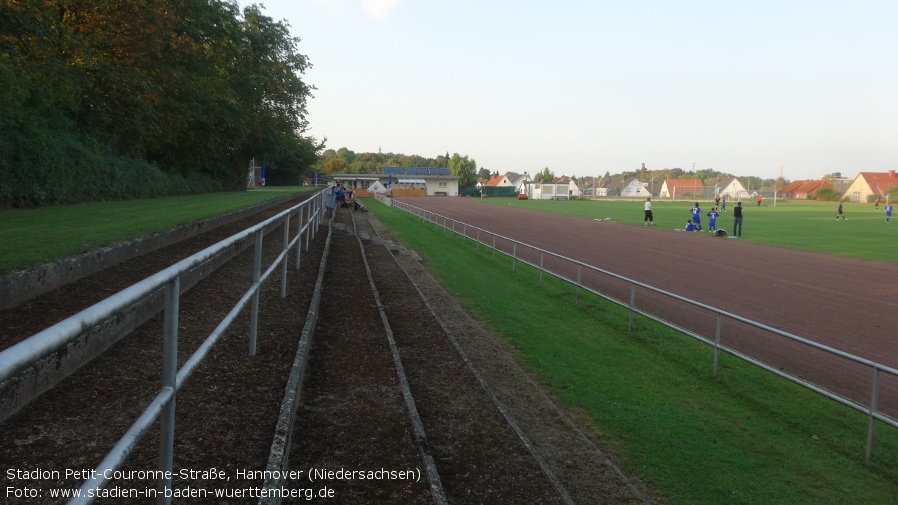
[31,237]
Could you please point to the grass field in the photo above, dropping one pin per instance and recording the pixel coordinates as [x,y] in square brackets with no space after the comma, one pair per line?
[743,437]
[807,225]
[31,237]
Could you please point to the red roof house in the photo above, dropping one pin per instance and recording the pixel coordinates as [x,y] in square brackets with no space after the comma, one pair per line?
[804,189]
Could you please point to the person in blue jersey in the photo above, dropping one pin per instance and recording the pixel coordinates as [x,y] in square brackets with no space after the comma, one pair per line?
[689,226]
[888,208]
[712,220]
[697,217]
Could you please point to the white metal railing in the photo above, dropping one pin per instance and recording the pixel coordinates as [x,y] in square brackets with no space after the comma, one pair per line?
[465,230]
[24,354]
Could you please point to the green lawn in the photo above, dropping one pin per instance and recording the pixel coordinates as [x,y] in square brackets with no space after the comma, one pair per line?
[30,237]
[807,225]
[743,437]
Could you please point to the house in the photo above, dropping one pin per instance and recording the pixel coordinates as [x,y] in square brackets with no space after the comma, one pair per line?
[868,186]
[632,188]
[518,181]
[548,191]
[499,181]
[732,189]
[573,190]
[603,185]
[682,188]
[803,190]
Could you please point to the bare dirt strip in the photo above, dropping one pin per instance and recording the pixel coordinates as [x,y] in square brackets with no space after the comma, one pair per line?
[845,303]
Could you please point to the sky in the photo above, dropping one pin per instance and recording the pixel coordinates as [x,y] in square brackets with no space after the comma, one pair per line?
[586,87]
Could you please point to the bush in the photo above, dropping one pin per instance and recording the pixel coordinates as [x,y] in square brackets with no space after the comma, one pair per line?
[828,195]
[47,167]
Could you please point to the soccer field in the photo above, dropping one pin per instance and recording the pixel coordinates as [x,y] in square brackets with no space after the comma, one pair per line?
[808,225]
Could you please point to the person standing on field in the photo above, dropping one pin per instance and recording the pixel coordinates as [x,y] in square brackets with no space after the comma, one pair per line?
[712,220]
[839,213]
[888,208]
[737,220]
[649,218]
[697,217]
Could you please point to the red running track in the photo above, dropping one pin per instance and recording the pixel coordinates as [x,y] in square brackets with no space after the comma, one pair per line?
[844,303]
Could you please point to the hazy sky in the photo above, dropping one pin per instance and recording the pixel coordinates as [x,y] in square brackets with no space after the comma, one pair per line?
[584,87]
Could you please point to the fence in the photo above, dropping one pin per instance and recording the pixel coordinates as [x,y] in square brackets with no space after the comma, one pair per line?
[28,352]
[588,278]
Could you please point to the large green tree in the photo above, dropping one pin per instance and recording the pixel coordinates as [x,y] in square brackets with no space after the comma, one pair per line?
[464,168]
[93,91]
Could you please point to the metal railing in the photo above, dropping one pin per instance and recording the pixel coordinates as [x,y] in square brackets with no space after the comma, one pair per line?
[26,353]
[536,257]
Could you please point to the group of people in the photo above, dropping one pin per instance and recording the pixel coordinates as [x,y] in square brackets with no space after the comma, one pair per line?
[346,198]
[695,224]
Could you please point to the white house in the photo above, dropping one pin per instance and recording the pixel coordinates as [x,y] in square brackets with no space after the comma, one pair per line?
[549,191]
[732,189]
[632,188]
[573,190]
[519,182]
[498,181]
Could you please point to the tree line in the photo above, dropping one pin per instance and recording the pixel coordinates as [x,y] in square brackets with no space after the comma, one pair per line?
[109,99]
[345,161]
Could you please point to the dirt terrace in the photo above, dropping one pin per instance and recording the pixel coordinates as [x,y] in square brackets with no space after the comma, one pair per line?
[352,415]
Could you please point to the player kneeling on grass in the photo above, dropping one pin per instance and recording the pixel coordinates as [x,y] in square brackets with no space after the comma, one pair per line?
[689,226]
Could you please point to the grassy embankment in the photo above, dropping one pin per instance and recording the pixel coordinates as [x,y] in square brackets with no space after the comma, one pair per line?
[31,237]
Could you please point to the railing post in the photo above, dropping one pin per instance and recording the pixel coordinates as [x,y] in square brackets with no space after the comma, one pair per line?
[299,234]
[579,271]
[541,254]
[310,229]
[632,306]
[871,427]
[169,380]
[286,250]
[257,273]
[717,344]
[514,255]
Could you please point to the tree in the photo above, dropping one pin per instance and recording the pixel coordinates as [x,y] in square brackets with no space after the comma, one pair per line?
[335,165]
[465,169]
[544,176]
